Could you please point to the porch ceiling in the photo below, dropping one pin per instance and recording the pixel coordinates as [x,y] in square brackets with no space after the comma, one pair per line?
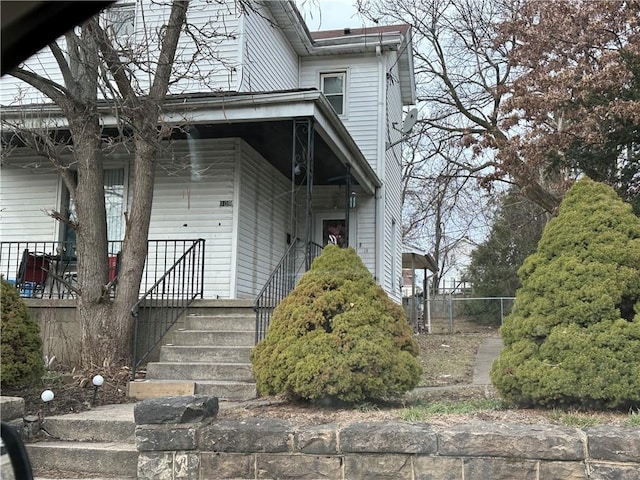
[274,141]
[265,121]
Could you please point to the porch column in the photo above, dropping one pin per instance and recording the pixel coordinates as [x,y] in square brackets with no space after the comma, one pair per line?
[302,174]
[347,205]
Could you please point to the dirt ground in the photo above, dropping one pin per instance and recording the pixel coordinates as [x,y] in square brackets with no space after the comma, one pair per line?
[444,394]
[446,360]
[73,391]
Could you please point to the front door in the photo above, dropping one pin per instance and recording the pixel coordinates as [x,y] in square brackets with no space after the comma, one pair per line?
[330,228]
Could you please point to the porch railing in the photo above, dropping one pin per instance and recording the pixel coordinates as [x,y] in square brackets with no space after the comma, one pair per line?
[281,282]
[47,269]
[161,255]
[163,303]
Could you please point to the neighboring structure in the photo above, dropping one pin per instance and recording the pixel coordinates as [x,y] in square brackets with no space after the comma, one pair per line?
[292,135]
[414,301]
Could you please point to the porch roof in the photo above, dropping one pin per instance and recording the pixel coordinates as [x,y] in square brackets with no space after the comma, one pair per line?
[413,259]
[268,116]
[263,119]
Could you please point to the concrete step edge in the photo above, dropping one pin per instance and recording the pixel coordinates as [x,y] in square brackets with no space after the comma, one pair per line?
[107,459]
[216,364]
[73,445]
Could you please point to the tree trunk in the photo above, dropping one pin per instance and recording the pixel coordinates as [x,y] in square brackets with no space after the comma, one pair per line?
[135,245]
[97,338]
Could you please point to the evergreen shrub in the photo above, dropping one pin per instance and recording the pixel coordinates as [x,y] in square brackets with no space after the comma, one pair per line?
[337,336]
[21,353]
[573,336]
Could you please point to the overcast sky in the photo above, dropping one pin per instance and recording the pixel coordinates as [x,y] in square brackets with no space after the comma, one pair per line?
[330,14]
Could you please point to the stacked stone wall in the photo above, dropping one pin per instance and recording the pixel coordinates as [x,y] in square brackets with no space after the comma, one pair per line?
[199,447]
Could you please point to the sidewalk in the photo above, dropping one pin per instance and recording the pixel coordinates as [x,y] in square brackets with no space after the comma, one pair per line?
[487,352]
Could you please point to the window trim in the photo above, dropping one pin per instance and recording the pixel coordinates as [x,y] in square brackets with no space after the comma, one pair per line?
[336,73]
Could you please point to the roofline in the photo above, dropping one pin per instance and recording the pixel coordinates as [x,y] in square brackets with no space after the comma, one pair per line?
[396,37]
[387,34]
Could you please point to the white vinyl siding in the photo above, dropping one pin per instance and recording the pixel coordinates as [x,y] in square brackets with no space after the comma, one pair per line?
[215,69]
[393,183]
[365,216]
[186,207]
[14,92]
[27,194]
[263,222]
[268,60]
[361,91]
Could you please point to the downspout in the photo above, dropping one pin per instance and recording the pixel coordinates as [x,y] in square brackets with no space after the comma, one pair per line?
[380,191]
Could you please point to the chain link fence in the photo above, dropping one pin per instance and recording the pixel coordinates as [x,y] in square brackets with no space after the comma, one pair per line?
[456,313]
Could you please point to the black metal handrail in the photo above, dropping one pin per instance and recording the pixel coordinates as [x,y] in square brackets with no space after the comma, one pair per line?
[163,303]
[280,283]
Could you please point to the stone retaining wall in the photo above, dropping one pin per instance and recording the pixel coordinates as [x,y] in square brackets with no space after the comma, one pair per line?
[179,438]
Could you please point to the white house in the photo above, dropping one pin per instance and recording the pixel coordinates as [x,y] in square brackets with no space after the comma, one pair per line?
[288,138]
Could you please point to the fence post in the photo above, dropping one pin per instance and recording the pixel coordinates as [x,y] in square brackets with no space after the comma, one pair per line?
[428,305]
[451,313]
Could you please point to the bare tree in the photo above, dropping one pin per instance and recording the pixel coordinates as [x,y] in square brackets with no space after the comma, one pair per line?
[104,73]
[443,206]
[463,78]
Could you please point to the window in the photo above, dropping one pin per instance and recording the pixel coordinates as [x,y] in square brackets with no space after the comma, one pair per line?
[333,87]
[120,19]
[114,205]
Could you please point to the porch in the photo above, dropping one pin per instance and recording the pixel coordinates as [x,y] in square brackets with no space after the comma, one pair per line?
[173,278]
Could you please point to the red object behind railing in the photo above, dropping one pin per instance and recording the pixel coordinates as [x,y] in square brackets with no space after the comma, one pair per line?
[113,267]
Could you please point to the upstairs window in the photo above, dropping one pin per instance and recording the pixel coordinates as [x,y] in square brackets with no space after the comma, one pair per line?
[333,87]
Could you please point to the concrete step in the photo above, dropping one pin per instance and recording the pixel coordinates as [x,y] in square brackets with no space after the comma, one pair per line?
[12,408]
[226,322]
[108,459]
[176,353]
[221,306]
[224,390]
[229,391]
[207,338]
[108,423]
[236,372]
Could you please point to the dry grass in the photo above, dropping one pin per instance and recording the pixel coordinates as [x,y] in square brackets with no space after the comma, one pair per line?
[447,359]
[444,398]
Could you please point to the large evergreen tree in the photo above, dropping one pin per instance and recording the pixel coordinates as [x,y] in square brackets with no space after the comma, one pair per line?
[573,337]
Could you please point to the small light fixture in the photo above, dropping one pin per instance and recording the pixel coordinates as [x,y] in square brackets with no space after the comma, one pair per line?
[97,381]
[47,398]
[352,200]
